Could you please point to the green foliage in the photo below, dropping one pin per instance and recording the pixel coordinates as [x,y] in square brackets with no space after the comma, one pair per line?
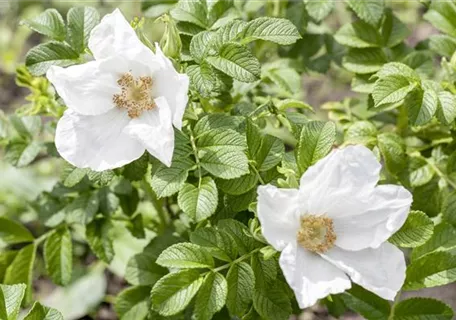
[416,231]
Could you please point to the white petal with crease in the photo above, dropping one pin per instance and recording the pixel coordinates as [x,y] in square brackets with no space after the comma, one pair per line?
[96,142]
[310,276]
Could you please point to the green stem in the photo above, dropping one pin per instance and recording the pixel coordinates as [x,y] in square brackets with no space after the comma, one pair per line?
[245,256]
[440,173]
[195,152]
[43,237]
[158,204]
[257,173]
[393,307]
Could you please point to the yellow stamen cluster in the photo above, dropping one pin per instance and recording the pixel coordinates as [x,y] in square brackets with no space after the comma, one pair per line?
[316,233]
[135,95]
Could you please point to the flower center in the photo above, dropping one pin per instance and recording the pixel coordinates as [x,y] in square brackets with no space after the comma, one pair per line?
[316,233]
[135,95]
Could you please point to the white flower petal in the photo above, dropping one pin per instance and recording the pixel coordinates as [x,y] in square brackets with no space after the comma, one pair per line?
[339,184]
[171,85]
[310,276]
[96,142]
[278,214]
[87,88]
[154,129]
[388,208]
[380,270]
[114,36]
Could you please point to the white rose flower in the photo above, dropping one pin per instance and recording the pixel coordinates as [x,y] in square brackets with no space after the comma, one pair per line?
[122,103]
[336,226]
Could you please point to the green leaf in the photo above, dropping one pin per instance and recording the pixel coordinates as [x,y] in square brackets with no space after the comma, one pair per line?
[241,283]
[202,78]
[319,9]
[449,208]
[98,235]
[239,185]
[391,89]
[237,61]
[221,140]
[211,297]
[40,312]
[265,271]
[225,163]
[277,30]
[143,270]
[442,15]
[397,69]
[240,233]
[272,303]
[40,58]
[191,11]
[446,111]
[200,45]
[185,255]
[219,243]
[21,269]
[167,181]
[393,30]
[228,33]
[422,309]
[442,44]
[49,23]
[362,132]
[21,154]
[172,293]
[81,21]
[136,170]
[358,34]
[431,270]
[421,106]
[58,256]
[83,208]
[199,202]
[371,11]
[316,141]
[392,148]
[367,304]
[364,61]
[10,300]
[133,303]
[417,229]
[420,172]
[443,239]
[71,176]
[12,232]
[217,121]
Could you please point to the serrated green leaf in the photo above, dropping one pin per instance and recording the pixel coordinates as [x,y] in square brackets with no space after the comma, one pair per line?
[391,89]
[319,9]
[49,23]
[442,44]
[272,303]
[239,185]
[358,34]
[431,270]
[211,296]
[237,61]
[40,58]
[225,163]
[71,175]
[422,309]
[98,235]
[200,46]
[265,271]
[362,132]
[443,239]
[442,15]
[172,293]
[315,142]
[364,61]
[10,300]
[185,255]
[392,148]
[21,269]
[397,69]
[199,202]
[277,30]
[143,270]
[202,78]
[82,209]
[21,154]
[221,139]
[40,312]
[446,111]
[219,243]
[419,172]
[228,33]
[240,233]
[394,31]
[370,11]
[367,304]
[12,232]
[449,208]
[81,21]
[167,181]
[421,106]
[137,169]
[191,11]
[58,256]
[241,283]
[133,303]
[417,229]
[217,121]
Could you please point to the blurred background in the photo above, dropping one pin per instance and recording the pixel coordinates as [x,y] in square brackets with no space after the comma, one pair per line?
[90,297]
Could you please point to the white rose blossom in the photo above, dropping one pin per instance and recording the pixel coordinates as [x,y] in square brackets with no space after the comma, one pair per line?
[124,102]
[335,227]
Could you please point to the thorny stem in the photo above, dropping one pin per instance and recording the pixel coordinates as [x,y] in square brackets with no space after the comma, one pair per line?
[195,152]
[158,204]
